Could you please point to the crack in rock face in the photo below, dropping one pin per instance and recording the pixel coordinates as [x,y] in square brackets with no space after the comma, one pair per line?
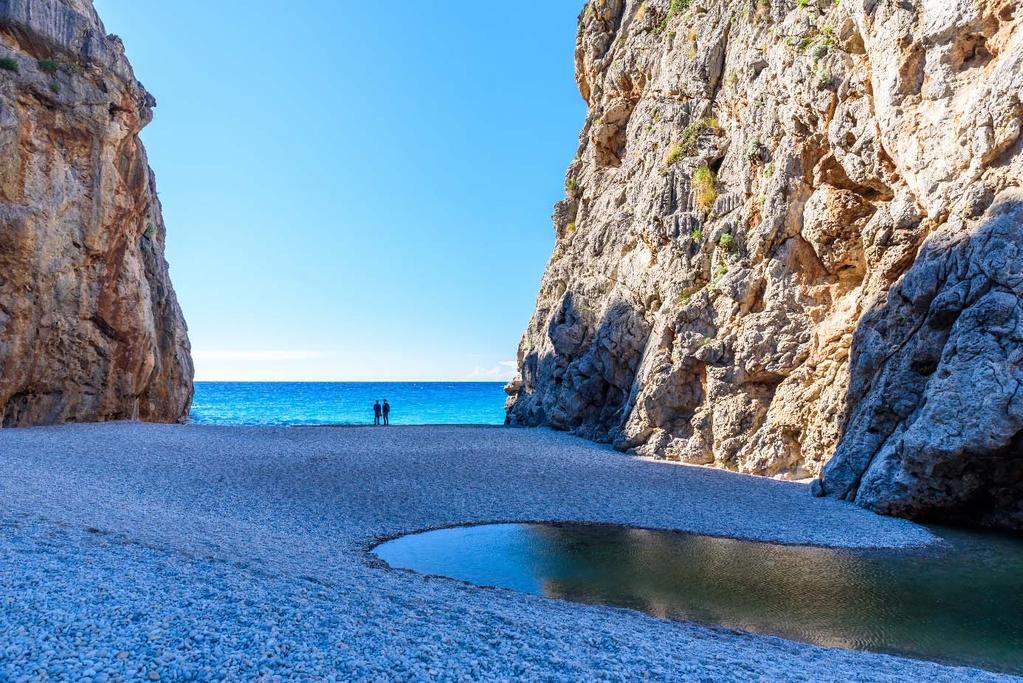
[90,328]
[790,247]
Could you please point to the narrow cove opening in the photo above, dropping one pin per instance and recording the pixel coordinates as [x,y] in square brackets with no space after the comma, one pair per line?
[960,601]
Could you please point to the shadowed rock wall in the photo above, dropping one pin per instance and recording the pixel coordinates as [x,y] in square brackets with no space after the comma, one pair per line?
[90,328]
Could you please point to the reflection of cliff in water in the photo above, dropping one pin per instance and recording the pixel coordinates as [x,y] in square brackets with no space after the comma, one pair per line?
[963,604]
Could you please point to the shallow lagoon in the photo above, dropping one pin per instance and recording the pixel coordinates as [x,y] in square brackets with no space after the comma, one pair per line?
[960,601]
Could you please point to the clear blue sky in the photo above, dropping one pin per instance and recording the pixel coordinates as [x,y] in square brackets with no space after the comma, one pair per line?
[356,190]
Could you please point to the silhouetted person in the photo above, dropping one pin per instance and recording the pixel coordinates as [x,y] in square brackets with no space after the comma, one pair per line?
[376,412]
[387,412]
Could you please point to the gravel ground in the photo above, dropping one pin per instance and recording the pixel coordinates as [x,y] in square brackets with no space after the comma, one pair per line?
[154,552]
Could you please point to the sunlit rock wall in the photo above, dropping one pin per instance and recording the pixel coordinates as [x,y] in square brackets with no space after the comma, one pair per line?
[791,236]
[89,325]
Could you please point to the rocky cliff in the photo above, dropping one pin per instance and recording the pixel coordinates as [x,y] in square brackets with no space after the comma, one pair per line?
[792,245]
[89,325]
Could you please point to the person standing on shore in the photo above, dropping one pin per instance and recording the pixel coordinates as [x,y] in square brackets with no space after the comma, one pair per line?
[376,412]
[387,412]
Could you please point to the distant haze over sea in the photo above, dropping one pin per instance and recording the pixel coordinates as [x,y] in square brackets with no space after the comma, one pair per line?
[319,403]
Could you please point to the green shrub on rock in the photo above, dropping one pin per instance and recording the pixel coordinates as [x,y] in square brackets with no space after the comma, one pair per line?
[704,188]
[673,155]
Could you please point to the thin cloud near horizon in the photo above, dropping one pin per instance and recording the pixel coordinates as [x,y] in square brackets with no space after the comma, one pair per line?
[254,356]
[504,370]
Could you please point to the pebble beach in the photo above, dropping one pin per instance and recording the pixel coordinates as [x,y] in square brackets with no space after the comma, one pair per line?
[155,552]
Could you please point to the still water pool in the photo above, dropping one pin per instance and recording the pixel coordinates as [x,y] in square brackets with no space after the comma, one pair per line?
[960,601]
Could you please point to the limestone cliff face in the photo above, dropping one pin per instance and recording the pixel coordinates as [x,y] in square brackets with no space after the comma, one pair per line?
[89,325]
[792,245]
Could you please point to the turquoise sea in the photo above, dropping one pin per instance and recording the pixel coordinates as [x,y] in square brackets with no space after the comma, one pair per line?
[318,403]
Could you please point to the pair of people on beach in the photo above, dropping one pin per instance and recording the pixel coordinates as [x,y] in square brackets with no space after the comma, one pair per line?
[383,411]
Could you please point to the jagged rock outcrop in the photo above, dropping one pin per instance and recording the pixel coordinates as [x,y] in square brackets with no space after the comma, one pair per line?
[792,245]
[90,328]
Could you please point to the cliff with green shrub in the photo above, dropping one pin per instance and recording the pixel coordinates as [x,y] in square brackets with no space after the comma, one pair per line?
[791,245]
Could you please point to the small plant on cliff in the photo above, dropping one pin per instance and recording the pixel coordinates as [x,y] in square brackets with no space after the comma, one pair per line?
[54,87]
[759,202]
[754,151]
[696,234]
[824,78]
[692,132]
[704,188]
[571,186]
[687,294]
[823,44]
[675,8]
[673,155]
[48,66]
[570,228]
[726,242]
[8,64]
[719,274]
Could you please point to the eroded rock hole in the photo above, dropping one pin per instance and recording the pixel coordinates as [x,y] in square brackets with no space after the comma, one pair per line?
[972,53]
